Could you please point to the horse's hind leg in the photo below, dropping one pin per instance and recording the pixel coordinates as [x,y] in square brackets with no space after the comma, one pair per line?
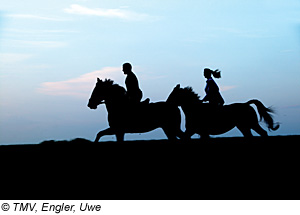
[257,128]
[204,136]
[246,132]
[181,134]
[102,133]
[171,135]
[188,134]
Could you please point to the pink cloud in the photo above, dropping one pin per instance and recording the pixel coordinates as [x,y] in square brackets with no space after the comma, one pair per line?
[81,86]
[225,88]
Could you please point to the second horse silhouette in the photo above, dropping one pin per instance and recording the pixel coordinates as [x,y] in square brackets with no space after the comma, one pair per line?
[125,117]
[210,119]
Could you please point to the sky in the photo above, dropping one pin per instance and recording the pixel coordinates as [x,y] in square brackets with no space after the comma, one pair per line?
[51,53]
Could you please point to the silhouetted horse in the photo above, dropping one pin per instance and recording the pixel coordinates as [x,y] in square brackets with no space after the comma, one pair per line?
[205,119]
[124,117]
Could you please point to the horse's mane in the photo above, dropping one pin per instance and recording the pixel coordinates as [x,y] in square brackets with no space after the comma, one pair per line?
[110,83]
[190,95]
[113,88]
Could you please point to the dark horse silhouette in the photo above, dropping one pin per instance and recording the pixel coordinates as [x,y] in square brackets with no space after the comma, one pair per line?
[205,119]
[125,117]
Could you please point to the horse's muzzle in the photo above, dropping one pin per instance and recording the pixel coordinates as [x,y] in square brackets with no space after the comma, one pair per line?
[92,106]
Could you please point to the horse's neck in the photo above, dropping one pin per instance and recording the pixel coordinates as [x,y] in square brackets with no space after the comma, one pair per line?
[188,108]
[117,104]
[114,105]
[117,97]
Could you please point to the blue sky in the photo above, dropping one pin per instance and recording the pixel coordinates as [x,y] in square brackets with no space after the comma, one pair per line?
[51,53]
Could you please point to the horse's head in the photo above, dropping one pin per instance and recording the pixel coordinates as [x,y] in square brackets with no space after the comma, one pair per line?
[99,93]
[174,97]
[180,96]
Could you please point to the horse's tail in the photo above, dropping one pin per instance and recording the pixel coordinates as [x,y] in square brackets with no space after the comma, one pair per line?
[264,113]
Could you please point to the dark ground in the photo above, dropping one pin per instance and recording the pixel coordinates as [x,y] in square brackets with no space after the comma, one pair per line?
[219,168]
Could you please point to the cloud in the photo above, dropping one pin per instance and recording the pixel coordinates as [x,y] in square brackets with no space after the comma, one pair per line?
[36,38]
[10,58]
[31,16]
[36,44]
[31,31]
[259,33]
[225,88]
[45,44]
[108,13]
[80,86]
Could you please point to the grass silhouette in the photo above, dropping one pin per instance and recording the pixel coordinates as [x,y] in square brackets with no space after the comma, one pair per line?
[218,168]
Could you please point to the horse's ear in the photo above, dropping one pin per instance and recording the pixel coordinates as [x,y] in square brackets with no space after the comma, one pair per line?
[177,86]
[98,80]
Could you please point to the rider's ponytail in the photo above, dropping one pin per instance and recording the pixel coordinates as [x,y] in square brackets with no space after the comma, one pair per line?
[216,73]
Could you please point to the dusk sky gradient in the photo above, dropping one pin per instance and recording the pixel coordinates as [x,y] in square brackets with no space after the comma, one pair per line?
[51,53]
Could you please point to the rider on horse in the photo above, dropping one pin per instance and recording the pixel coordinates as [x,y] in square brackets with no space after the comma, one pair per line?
[213,95]
[134,93]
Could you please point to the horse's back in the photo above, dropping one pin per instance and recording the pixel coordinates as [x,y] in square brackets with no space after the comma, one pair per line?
[216,120]
[238,109]
[146,117]
[164,109]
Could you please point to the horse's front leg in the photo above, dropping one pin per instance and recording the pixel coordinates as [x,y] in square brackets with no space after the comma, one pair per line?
[188,134]
[120,136]
[104,132]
